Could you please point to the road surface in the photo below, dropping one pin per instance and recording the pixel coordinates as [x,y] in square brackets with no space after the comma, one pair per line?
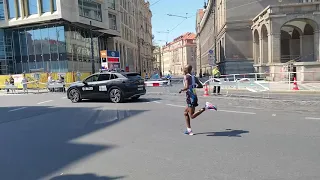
[45,136]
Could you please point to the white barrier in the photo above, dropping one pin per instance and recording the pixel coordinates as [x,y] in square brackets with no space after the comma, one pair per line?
[242,84]
[155,83]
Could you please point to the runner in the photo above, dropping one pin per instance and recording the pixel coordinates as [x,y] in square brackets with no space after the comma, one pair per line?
[190,85]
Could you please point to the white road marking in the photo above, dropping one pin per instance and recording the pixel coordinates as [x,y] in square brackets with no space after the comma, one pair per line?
[175,105]
[45,102]
[238,112]
[312,118]
[155,92]
[12,110]
[156,102]
[274,115]
[248,107]
[64,97]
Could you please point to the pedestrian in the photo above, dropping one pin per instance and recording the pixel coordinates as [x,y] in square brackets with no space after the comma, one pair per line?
[11,82]
[25,84]
[190,85]
[6,82]
[216,74]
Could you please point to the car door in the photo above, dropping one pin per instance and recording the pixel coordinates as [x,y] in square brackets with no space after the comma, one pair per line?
[103,85]
[90,88]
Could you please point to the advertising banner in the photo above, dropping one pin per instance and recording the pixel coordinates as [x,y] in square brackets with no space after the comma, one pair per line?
[113,56]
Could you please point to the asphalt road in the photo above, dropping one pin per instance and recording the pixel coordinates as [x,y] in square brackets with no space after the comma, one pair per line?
[45,136]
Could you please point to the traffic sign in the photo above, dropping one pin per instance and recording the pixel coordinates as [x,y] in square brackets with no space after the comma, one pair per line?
[211,60]
[210,51]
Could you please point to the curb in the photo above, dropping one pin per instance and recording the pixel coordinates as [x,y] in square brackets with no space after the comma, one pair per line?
[275,91]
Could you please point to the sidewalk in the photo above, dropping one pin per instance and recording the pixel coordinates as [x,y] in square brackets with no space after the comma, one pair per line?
[265,86]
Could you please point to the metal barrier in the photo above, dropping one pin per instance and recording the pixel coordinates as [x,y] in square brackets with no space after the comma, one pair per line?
[56,86]
[280,81]
[11,87]
[173,87]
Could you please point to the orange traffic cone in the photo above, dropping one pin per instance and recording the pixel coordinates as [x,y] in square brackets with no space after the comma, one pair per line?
[206,91]
[295,84]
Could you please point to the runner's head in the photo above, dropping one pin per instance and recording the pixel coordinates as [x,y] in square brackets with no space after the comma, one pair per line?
[187,69]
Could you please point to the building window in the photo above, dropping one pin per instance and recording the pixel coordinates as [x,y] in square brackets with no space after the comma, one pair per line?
[54,5]
[11,8]
[90,9]
[112,21]
[33,7]
[1,10]
[112,4]
[45,6]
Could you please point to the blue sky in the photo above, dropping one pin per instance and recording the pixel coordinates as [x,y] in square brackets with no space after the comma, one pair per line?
[161,22]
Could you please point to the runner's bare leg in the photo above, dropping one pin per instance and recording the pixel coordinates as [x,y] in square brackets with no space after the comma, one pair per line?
[187,117]
[193,114]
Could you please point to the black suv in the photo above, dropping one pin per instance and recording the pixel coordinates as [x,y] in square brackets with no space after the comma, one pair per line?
[115,86]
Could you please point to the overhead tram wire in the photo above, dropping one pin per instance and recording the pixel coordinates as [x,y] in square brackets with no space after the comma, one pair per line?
[155,3]
[185,18]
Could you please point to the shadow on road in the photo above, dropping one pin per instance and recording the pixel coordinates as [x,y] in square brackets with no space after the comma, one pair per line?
[85,177]
[226,133]
[40,140]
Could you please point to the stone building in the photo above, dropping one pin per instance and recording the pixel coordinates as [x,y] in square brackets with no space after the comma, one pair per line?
[157,59]
[135,42]
[288,34]
[205,39]
[233,23]
[178,53]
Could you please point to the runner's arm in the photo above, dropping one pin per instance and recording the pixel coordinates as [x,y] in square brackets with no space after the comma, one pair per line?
[186,86]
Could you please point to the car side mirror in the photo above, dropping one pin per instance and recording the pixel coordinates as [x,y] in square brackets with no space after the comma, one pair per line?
[85,83]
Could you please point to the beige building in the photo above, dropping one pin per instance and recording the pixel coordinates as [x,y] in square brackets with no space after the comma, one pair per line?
[157,59]
[205,38]
[178,53]
[135,42]
[260,36]
[287,38]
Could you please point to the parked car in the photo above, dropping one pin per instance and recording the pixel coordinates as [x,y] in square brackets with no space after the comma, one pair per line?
[114,86]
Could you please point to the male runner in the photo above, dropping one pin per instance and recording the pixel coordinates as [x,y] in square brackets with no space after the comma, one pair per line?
[190,85]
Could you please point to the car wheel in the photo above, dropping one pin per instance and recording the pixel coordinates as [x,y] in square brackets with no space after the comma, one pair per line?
[135,97]
[74,96]
[115,95]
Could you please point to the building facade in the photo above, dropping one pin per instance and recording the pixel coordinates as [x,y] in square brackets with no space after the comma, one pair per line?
[205,37]
[178,53]
[54,35]
[232,34]
[157,59]
[135,42]
[286,38]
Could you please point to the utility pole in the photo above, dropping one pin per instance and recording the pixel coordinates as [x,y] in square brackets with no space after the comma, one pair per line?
[92,52]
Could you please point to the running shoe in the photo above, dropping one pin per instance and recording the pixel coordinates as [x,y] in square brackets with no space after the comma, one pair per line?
[210,106]
[190,133]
